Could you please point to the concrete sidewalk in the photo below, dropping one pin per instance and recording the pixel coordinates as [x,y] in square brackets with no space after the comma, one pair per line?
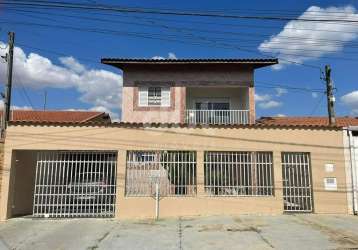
[219,232]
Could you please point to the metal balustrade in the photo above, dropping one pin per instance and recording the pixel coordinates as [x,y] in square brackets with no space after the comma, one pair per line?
[195,116]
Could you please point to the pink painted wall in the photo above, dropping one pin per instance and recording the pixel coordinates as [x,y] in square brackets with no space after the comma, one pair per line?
[178,78]
[158,115]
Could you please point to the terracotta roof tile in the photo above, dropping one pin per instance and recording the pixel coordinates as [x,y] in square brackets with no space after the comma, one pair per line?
[173,125]
[307,121]
[57,116]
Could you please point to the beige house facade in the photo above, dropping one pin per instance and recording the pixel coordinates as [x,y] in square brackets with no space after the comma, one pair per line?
[323,145]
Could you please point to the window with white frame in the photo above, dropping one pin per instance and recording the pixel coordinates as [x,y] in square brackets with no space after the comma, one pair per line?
[154,97]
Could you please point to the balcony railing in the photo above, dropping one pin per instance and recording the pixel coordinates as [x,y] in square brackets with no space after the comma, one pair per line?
[194,116]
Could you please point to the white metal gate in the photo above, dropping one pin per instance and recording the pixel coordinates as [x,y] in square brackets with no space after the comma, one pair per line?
[354,170]
[297,185]
[238,173]
[75,184]
[175,171]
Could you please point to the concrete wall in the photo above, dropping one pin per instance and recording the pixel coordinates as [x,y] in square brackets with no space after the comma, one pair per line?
[325,146]
[178,77]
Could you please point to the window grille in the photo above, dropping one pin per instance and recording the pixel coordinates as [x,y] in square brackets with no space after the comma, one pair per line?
[174,170]
[238,173]
[154,96]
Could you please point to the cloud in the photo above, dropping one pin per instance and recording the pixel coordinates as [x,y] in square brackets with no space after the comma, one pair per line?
[158,58]
[266,102]
[171,55]
[262,98]
[314,95]
[351,100]
[280,91]
[281,115]
[270,104]
[302,41]
[72,64]
[97,87]
[14,107]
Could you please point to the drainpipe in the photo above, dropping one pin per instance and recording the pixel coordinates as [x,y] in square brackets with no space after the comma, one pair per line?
[354,177]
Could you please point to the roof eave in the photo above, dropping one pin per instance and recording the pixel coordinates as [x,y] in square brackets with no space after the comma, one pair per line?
[120,63]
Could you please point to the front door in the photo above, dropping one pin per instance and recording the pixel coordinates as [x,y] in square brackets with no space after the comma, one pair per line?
[297,183]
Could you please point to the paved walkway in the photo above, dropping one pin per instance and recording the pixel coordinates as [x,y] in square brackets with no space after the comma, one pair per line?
[219,232]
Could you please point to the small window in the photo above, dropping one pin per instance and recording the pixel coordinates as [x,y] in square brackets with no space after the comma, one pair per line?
[154,97]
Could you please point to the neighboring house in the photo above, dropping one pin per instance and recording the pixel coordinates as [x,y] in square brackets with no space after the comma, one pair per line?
[350,140]
[344,121]
[58,116]
[195,91]
[188,131]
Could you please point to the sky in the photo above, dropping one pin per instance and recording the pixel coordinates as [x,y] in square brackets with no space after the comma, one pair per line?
[58,52]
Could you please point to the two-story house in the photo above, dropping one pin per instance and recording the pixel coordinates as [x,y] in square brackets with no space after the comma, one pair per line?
[188,137]
[194,91]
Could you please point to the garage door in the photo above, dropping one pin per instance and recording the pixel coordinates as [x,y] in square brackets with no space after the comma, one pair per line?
[75,184]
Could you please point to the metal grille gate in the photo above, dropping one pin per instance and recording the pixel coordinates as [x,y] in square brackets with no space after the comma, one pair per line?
[297,187]
[175,170]
[75,184]
[238,173]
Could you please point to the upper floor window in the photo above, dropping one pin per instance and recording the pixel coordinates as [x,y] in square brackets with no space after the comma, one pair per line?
[154,97]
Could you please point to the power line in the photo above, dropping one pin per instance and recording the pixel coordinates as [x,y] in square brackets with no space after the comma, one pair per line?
[263,26]
[23,89]
[57,53]
[173,28]
[261,83]
[317,105]
[102,7]
[284,59]
[276,48]
[219,10]
[173,39]
[277,85]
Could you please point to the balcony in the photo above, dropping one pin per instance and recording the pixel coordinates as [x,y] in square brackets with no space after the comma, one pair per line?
[217,117]
[225,105]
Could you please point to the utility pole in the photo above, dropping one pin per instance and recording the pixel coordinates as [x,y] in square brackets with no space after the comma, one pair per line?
[7,100]
[45,99]
[330,97]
